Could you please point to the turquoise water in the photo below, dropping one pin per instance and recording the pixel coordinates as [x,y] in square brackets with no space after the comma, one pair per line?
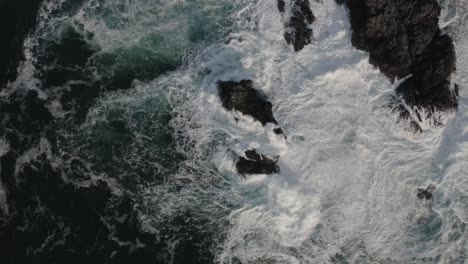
[133,87]
[103,63]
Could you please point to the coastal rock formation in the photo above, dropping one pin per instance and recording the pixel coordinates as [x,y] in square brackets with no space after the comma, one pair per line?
[403,39]
[425,195]
[429,86]
[17,18]
[242,97]
[298,32]
[255,163]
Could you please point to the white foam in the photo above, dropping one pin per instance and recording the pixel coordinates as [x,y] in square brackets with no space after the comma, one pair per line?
[348,166]
[349,172]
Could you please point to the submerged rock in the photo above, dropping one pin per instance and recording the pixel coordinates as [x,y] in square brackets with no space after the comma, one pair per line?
[403,38]
[255,163]
[425,195]
[242,97]
[298,31]
[404,114]
[429,87]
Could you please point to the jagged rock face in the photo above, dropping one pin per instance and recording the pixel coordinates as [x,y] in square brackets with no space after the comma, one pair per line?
[17,18]
[394,32]
[242,97]
[430,87]
[255,163]
[403,38]
[298,33]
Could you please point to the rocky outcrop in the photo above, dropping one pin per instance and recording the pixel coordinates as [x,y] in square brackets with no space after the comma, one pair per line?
[17,18]
[403,39]
[424,195]
[242,97]
[429,86]
[255,163]
[297,28]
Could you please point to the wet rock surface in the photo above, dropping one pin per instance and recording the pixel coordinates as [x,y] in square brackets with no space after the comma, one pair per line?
[297,28]
[278,131]
[17,19]
[241,96]
[403,38]
[256,163]
[425,196]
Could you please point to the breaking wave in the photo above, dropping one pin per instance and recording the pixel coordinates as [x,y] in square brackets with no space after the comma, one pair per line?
[349,175]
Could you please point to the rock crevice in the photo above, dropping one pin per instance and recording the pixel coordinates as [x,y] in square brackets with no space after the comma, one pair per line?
[242,97]
[255,163]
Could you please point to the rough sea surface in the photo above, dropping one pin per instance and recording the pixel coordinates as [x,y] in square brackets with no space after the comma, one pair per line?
[131,87]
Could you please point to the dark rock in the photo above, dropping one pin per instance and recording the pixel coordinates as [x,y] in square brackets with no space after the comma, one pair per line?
[278,131]
[281,6]
[429,87]
[415,128]
[403,38]
[425,195]
[254,163]
[405,115]
[298,31]
[242,97]
[17,18]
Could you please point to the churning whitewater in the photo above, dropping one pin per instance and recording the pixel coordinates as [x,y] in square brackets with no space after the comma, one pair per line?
[133,89]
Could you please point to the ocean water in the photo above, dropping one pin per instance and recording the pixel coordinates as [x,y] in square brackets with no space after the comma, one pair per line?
[350,169]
